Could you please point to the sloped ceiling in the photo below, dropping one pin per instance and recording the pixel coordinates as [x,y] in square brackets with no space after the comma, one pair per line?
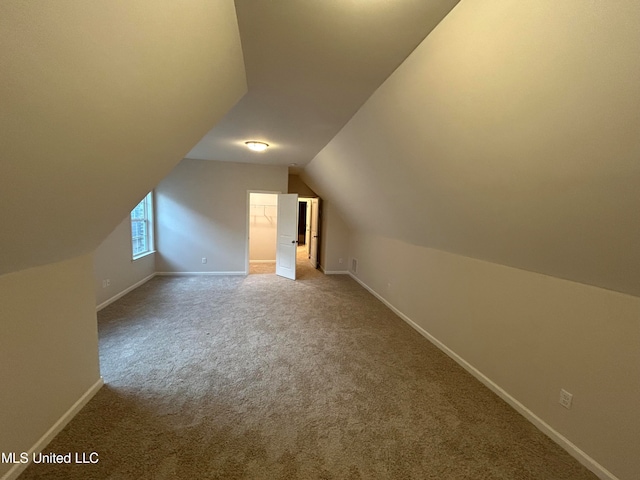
[511,134]
[310,66]
[99,101]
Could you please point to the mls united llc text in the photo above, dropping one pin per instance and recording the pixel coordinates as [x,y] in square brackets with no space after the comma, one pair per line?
[69,457]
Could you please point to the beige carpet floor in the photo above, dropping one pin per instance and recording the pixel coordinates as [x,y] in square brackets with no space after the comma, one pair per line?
[258,268]
[260,377]
[262,268]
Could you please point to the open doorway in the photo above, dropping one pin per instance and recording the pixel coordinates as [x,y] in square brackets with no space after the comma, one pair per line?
[272,223]
[274,248]
[302,221]
[263,223]
[308,228]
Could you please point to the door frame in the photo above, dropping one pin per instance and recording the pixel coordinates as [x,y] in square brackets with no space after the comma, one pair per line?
[308,240]
[307,234]
[314,240]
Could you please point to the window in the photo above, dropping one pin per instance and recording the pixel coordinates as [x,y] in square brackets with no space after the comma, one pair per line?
[142,227]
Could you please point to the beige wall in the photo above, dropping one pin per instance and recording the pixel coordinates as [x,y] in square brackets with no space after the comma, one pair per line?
[112,261]
[297,185]
[48,348]
[263,226]
[530,334]
[202,212]
[334,244]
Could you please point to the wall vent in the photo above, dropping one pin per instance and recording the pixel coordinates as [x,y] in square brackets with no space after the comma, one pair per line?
[354,265]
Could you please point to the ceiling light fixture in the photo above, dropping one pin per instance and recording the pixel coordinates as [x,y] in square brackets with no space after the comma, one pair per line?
[256,146]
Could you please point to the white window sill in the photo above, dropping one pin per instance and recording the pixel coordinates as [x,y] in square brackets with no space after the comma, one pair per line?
[145,254]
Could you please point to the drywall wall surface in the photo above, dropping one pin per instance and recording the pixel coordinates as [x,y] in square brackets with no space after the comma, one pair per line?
[510,135]
[263,226]
[112,263]
[530,334]
[297,185]
[48,348]
[100,100]
[201,212]
[334,239]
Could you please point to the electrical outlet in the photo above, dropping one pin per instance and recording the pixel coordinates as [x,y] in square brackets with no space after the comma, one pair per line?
[565,398]
[204,259]
[106,282]
[340,260]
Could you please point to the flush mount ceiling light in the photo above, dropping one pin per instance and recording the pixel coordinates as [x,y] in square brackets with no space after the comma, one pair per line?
[256,146]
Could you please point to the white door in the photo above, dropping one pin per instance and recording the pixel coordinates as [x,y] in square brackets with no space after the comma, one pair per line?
[287,235]
[313,241]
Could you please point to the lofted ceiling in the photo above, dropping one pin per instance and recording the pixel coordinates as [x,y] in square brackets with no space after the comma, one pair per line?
[509,135]
[310,66]
[100,100]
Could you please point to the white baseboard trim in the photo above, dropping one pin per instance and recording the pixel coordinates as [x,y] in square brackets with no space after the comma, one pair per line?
[124,292]
[262,261]
[544,427]
[57,427]
[189,274]
[333,272]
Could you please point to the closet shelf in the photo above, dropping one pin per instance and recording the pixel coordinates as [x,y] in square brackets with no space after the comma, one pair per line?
[270,212]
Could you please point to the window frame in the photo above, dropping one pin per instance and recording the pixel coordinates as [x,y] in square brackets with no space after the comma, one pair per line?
[148,221]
